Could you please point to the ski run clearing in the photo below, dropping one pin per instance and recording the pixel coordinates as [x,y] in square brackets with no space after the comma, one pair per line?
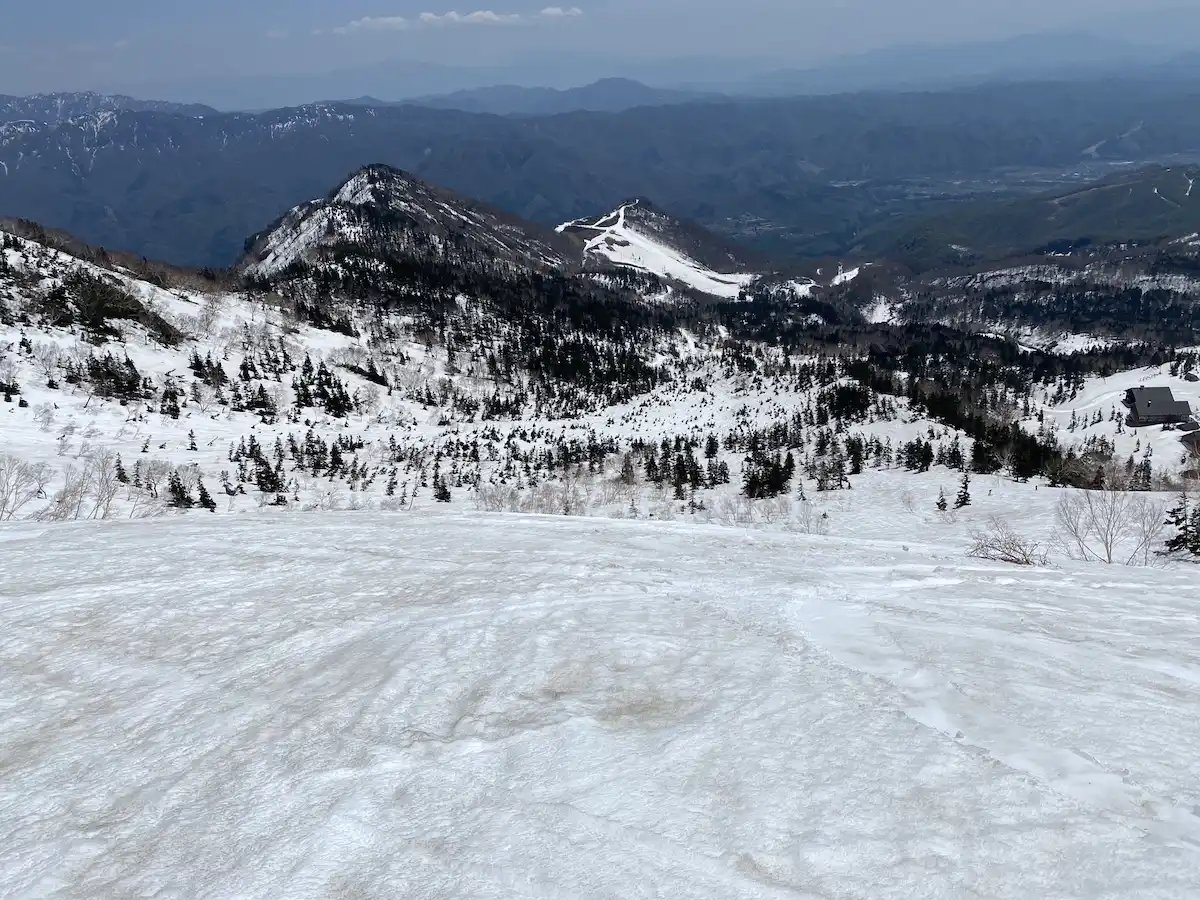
[623,245]
[441,705]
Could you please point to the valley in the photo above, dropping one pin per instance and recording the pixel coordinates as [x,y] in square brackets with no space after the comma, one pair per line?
[369,533]
[814,175]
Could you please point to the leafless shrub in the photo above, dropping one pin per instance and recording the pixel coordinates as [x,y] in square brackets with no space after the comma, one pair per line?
[497,498]
[154,473]
[64,439]
[774,509]
[369,399]
[43,415]
[1109,525]
[20,484]
[189,477]
[999,542]
[210,314]
[103,481]
[809,520]
[47,357]
[732,510]
[67,503]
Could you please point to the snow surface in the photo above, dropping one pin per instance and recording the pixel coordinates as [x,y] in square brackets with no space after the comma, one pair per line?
[845,277]
[622,244]
[438,705]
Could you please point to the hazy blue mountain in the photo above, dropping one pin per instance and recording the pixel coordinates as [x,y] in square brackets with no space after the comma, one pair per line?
[59,107]
[606,95]
[800,177]
[398,80]
[1026,58]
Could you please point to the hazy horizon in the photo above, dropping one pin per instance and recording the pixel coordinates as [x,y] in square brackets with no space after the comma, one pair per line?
[292,49]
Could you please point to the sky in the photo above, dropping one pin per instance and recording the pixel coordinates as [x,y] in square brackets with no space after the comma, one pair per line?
[139,45]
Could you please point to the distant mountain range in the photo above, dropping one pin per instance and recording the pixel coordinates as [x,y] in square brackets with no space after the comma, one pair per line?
[606,95]
[55,109]
[794,178]
[1138,47]
[1037,57]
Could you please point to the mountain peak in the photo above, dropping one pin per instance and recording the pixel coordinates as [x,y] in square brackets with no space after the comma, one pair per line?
[383,212]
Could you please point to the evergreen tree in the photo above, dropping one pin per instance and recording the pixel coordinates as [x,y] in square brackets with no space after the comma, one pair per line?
[941,501]
[192,441]
[441,491]
[1180,518]
[177,494]
[206,501]
[964,493]
[122,475]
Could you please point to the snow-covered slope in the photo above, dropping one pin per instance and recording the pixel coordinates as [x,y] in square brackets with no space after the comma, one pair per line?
[446,706]
[379,207]
[644,239]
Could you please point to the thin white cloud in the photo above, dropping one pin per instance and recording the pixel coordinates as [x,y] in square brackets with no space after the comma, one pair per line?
[376,24]
[480,17]
[373,23]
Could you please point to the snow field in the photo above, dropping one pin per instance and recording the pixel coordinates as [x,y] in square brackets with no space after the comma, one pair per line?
[447,705]
[624,245]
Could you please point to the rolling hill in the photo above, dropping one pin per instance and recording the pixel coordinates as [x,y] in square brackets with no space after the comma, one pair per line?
[1143,205]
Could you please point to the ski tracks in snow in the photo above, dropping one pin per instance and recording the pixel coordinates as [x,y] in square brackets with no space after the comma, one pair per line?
[865,632]
[437,706]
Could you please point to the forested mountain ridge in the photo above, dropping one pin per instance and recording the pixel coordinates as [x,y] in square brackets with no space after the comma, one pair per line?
[56,108]
[811,173]
[394,357]
[1151,204]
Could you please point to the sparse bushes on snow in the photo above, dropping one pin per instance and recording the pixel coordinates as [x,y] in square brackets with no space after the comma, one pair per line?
[1110,525]
[1000,542]
[20,484]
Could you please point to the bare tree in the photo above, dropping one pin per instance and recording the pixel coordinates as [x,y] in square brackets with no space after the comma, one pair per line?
[104,482]
[998,541]
[47,358]
[43,414]
[64,439]
[203,396]
[774,509]
[210,314]
[154,473]
[810,520]
[189,476]
[1109,525]
[1147,523]
[20,484]
[8,371]
[67,503]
